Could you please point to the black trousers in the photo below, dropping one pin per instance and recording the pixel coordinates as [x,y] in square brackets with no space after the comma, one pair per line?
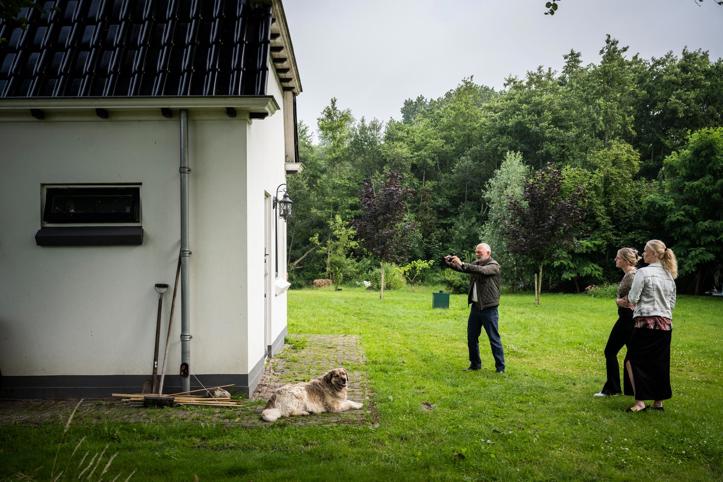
[619,337]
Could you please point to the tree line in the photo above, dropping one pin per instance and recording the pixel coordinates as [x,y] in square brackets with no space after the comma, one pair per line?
[556,171]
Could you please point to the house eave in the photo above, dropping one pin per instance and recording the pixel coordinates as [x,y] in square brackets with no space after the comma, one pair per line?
[263,106]
[282,50]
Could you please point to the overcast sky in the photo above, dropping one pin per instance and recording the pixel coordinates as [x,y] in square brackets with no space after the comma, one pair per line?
[373,54]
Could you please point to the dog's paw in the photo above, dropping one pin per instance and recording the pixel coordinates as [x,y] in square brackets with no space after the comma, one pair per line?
[355,405]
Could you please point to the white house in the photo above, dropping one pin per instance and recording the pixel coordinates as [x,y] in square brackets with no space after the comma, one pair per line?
[134,135]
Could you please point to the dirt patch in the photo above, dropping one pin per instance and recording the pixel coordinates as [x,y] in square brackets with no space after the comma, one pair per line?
[309,356]
[303,358]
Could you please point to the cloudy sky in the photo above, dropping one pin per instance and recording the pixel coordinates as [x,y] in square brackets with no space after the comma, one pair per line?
[373,54]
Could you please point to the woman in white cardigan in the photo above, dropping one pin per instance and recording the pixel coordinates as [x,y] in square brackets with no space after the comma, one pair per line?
[647,364]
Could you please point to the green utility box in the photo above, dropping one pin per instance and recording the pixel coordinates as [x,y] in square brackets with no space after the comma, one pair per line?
[440,300]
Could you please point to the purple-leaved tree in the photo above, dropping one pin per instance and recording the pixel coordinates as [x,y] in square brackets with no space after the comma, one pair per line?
[543,221]
[381,226]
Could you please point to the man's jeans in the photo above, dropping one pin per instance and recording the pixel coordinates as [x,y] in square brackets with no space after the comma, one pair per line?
[486,318]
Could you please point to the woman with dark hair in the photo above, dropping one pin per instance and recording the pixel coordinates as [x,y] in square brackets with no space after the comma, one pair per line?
[626,260]
[647,365]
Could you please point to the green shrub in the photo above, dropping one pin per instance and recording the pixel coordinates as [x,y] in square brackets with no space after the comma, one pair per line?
[415,271]
[393,277]
[607,290]
[455,281]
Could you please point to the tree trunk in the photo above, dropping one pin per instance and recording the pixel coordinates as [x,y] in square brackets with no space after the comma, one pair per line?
[539,286]
[535,274]
[381,284]
[698,277]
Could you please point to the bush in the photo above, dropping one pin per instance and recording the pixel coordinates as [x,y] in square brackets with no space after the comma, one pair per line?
[455,281]
[415,271]
[393,277]
[608,290]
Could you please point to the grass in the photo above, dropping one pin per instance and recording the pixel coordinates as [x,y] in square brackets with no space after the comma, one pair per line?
[538,421]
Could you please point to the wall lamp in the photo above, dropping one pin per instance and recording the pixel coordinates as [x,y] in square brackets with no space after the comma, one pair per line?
[283,205]
[282,208]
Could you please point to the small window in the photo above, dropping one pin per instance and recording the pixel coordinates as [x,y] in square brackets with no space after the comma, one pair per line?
[92,205]
[90,215]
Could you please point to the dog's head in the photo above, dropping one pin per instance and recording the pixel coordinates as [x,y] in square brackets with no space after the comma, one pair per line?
[337,378]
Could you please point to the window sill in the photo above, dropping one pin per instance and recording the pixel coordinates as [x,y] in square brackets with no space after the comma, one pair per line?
[90,236]
[281,286]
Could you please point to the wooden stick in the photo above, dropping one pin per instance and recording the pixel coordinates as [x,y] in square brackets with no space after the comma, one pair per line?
[202,389]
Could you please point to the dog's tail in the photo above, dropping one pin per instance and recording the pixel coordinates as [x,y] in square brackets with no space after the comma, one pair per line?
[271,414]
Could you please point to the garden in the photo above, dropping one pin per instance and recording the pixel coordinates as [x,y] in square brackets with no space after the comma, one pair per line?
[425,418]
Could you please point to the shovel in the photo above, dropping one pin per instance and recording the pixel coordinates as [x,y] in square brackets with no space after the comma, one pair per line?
[161,288]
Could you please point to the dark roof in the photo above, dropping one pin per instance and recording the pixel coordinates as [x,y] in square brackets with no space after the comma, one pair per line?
[127,48]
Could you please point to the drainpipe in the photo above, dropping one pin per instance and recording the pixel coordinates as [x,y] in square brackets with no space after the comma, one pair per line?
[185,258]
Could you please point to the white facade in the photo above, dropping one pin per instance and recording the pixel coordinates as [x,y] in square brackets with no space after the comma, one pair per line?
[91,311]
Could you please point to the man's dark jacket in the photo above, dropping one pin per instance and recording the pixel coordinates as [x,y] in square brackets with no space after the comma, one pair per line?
[486,275]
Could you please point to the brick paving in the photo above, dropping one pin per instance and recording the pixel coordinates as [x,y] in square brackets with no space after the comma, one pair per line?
[304,357]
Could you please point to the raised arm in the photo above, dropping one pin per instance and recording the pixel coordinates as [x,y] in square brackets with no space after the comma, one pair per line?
[490,269]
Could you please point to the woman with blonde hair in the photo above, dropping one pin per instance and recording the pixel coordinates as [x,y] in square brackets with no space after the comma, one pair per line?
[626,260]
[647,364]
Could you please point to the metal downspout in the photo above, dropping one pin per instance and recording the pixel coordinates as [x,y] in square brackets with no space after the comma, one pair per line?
[185,255]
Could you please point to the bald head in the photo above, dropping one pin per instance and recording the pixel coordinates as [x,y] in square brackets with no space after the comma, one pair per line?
[482,251]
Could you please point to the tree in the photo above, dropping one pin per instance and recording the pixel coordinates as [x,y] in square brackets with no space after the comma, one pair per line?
[543,221]
[693,179]
[551,6]
[679,95]
[507,184]
[327,186]
[337,251]
[381,225]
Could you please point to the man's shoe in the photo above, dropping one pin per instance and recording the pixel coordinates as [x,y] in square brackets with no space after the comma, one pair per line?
[601,395]
[501,371]
[472,369]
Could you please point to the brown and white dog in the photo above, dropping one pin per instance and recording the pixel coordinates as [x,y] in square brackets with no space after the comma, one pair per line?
[324,394]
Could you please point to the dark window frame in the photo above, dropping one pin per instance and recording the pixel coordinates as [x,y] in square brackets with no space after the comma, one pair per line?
[98,214]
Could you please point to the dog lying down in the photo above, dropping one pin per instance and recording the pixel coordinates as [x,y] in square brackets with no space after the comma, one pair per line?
[323,394]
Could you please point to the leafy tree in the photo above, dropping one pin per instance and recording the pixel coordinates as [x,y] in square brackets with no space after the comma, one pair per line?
[337,251]
[543,221]
[327,186]
[693,179]
[507,185]
[679,95]
[380,225]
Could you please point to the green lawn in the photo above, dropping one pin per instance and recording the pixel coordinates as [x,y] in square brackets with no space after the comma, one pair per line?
[538,421]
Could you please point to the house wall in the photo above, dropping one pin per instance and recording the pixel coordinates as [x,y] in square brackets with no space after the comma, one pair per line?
[91,310]
[266,162]
[83,310]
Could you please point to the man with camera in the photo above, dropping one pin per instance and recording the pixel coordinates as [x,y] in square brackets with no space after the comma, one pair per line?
[484,296]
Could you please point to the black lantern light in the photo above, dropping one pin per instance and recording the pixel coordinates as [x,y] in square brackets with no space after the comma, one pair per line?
[283,205]
[282,208]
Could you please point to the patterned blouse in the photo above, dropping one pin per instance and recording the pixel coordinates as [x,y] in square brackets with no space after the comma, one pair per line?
[626,283]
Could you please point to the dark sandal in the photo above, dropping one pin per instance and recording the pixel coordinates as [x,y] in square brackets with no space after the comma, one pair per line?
[659,408]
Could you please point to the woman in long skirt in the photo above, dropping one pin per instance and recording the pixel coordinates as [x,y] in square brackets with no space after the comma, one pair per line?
[626,260]
[647,364]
